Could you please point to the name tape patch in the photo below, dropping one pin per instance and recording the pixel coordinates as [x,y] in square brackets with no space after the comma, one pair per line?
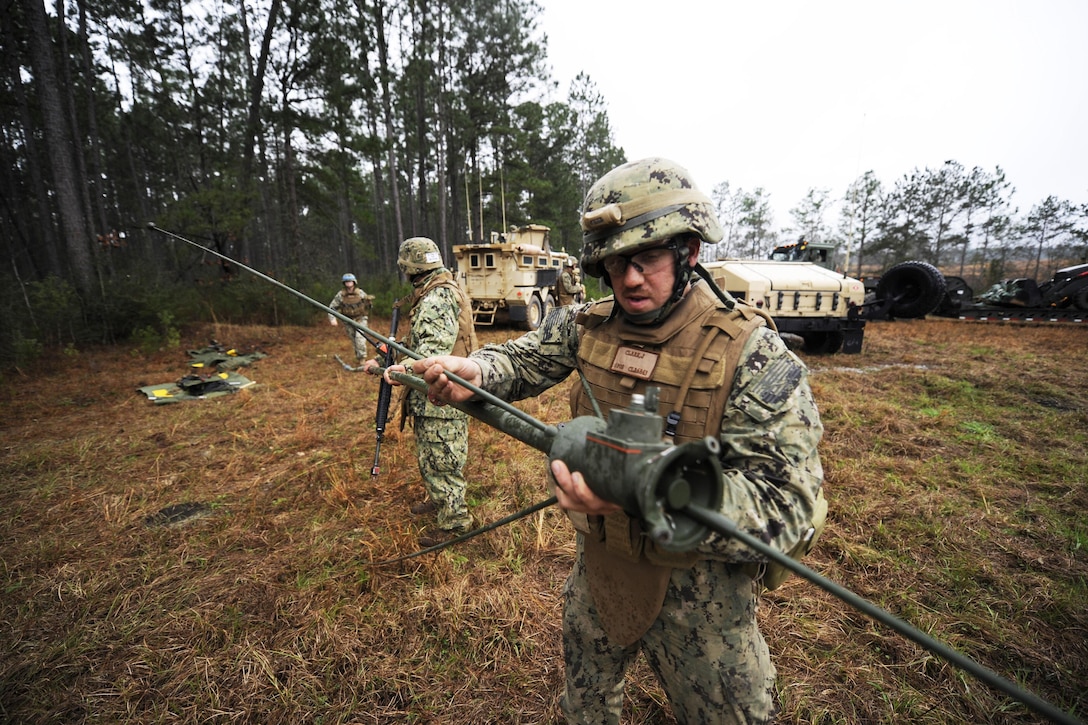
[635,363]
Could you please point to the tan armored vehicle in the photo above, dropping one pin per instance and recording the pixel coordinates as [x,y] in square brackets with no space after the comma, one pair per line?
[816,304]
[512,278]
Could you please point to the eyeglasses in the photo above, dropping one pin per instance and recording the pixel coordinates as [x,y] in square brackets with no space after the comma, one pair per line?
[645,263]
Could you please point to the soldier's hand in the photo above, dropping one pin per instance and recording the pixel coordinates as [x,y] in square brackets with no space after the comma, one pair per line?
[433,370]
[369,364]
[333,322]
[574,494]
[393,369]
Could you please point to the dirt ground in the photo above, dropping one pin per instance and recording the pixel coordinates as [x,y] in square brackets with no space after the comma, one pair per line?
[956,462]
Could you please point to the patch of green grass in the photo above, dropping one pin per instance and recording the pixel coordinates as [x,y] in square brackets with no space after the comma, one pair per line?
[1077,534]
[978,431]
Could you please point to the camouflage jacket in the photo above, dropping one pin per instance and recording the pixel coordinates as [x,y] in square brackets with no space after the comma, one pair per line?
[434,329]
[568,286]
[770,427]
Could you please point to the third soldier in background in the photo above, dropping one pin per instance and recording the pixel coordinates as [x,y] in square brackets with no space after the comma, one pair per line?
[440,316]
[351,301]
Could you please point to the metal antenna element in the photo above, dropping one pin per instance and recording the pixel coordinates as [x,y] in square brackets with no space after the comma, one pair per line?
[479,392]
[725,527]
[512,421]
[474,533]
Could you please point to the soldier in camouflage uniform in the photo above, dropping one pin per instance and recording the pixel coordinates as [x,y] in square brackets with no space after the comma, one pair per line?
[721,369]
[570,286]
[440,319]
[353,302]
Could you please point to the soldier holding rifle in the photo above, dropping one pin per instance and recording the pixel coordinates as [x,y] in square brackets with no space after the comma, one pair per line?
[440,323]
[570,286]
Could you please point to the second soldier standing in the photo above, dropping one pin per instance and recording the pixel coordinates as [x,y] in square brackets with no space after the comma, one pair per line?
[440,319]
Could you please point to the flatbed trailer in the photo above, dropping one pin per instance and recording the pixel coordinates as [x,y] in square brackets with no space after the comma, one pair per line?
[1005,314]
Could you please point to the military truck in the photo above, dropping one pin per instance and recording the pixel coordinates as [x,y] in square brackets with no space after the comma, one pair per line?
[799,287]
[816,304]
[915,289]
[512,277]
[907,290]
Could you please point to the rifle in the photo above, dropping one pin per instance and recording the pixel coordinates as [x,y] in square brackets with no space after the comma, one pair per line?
[385,391]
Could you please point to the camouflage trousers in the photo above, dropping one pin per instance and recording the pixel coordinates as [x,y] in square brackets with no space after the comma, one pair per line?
[442,449]
[357,340]
[705,649]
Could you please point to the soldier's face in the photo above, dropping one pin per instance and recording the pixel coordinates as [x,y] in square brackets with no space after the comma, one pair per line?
[645,282]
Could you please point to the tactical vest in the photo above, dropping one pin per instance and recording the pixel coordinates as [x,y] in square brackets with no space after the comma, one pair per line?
[354,304]
[466,330]
[465,341]
[692,358]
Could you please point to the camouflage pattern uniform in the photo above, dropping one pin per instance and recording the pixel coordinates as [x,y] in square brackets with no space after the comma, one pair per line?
[356,305]
[570,287]
[704,645]
[441,431]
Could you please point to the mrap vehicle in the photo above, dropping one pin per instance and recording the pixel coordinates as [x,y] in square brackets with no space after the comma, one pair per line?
[512,278]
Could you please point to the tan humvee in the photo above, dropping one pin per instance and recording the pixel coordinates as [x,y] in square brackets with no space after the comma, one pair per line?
[817,304]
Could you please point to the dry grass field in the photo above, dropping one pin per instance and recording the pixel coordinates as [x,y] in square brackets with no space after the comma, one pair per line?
[956,457]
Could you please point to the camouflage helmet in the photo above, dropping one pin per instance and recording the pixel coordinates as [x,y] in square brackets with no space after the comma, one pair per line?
[641,204]
[418,254]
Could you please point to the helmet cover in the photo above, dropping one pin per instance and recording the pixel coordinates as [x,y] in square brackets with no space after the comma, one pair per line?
[418,254]
[640,205]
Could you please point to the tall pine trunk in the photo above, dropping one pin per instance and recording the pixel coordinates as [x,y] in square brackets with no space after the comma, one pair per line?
[387,109]
[40,236]
[59,146]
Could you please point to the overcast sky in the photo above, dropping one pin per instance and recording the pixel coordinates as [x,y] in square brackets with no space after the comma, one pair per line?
[790,95]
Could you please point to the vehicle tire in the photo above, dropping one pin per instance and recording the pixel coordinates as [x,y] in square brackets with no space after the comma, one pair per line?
[1080,299]
[549,305]
[914,289]
[823,343]
[534,314]
[957,295]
